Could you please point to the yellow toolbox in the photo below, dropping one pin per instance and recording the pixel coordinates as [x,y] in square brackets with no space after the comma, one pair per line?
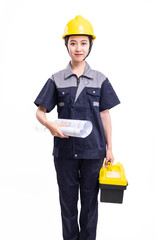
[112,182]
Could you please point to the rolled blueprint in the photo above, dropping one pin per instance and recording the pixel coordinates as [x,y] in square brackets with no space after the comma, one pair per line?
[76,128]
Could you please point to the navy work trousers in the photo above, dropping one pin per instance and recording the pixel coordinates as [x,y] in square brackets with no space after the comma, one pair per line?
[74,175]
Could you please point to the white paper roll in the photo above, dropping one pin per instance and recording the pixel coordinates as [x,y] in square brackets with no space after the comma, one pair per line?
[76,128]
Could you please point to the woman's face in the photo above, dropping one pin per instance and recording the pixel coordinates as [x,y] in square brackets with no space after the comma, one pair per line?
[78,47]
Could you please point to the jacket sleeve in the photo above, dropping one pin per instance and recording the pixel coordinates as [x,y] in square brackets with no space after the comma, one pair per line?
[47,96]
[108,97]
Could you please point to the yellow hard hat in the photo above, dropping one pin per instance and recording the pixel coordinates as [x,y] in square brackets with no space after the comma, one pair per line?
[79,26]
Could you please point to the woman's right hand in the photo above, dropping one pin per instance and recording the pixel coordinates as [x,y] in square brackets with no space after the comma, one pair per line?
[54,128]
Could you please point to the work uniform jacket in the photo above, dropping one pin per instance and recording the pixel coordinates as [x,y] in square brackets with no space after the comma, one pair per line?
[80,98]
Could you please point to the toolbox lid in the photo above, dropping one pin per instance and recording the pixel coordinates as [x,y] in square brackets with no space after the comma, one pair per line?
[113,175]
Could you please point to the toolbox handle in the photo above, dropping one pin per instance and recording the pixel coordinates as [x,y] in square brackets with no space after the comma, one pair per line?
[108,165]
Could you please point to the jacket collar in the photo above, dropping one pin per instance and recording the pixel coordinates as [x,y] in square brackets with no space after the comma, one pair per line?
[88,72]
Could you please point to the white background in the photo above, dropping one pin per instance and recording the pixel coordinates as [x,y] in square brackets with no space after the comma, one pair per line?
[31,50]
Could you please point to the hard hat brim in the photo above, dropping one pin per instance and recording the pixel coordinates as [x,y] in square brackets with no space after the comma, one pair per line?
[93,36]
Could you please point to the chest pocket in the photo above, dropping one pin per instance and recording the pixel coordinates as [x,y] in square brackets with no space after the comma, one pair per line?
[93,98]
[63,98]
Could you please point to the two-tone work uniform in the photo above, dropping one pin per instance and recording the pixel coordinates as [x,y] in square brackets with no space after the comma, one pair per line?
[78,160]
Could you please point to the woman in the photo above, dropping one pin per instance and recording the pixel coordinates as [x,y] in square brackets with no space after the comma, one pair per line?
[84,94]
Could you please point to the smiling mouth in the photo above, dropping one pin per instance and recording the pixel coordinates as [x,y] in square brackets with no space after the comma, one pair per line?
[78,54]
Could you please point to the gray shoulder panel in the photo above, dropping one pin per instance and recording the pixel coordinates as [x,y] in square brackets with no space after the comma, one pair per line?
[52,78]
[61,82]
[98,79]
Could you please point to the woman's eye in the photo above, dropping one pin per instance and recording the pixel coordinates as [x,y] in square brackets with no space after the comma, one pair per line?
[84,43]
[72,44]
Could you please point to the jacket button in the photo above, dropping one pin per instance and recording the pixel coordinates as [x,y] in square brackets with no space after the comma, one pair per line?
[94,92]
[63,92]
[75,155]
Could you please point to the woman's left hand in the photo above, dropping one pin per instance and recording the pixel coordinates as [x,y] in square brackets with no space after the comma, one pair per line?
[109,157]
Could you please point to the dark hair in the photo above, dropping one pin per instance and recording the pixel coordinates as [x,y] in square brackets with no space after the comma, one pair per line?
[90,41]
